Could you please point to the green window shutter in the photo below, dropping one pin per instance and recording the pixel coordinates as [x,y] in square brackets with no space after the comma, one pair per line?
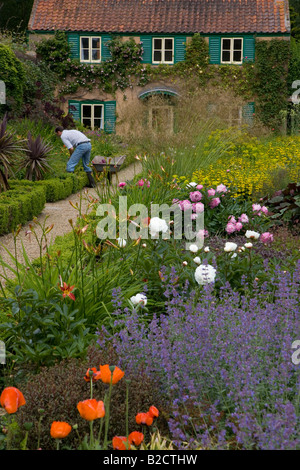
[105,52]
[215,50]
[248,111]
[249,49]
[75,110]
[110,116]
[147,49]
[73,40]
[179,48]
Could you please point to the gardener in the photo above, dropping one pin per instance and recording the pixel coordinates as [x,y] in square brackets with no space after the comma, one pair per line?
[79,147]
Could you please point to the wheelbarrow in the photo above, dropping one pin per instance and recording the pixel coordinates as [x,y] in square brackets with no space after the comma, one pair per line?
[111,164]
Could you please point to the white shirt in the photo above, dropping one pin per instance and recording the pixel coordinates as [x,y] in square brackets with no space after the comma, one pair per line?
[72,138]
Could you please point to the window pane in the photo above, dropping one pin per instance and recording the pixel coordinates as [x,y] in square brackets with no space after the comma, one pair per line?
[237,56]
[168,44]
[157,43]
[157,56]
[226,44]
[86,111]
[98,111]
[168,56]
[226,56]
[238,44]
[97,123]
[95,54]
[96,43]
[86,122]
[85,43]
[85,54]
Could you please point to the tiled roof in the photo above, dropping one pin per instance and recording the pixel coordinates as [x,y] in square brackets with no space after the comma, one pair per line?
[161,16]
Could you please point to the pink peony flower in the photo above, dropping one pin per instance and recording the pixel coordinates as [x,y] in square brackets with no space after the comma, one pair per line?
[199,187]
[121,185]
[195,196]
[214,202]
[211,192]
[230,227]
[231,219]
[202,234]
[221,188]
[141,183]
[264,210]
[198,207]
[256,207]
[266,237]
[185,205]
[244,219]
[238,226]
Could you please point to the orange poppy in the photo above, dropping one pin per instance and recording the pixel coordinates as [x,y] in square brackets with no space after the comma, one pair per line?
[120,443]
[106,374]
[11,399]
[153,411]
[136,438]
[67,291]
[91,409]
[144,418]
[96,375]
[60,429]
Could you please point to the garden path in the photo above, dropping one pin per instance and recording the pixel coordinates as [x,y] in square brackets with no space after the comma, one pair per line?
[57,213]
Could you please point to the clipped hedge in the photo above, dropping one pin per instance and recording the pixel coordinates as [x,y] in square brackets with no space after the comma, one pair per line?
[26,199]
[18,206]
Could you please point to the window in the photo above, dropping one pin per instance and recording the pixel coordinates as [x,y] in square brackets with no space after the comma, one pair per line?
[235,116]
[161,119]
[92,116]
[231,50]
[163,51]
[90,49]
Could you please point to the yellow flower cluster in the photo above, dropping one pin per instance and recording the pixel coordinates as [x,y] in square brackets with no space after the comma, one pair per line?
[255,168]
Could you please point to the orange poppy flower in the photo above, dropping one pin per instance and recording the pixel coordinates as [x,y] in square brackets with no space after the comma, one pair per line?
[96,375]
[106,374]
[153,411]
[136,438]
[11,399]
[91,409]
[120,442]
[67,291]
[144,418]
[60,429]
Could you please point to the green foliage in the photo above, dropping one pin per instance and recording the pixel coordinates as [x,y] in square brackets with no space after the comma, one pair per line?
[19,205]
[15,14]
[270,84]
[8,151]
[54,51]
[13,74]
[285,206]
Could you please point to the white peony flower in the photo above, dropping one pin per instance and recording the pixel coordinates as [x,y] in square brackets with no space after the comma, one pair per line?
[205,274]
[139,299]
[206,249]
[230,246]
[248,245]
[251,234]
[197,260]
[184,263]
[191,185]
[234,255]
[193,248]
[121,242]
[157,225]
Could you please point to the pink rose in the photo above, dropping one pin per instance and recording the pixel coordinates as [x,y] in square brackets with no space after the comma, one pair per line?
[195,196]
[214,202]
[198,207]
[211,192]
[230,228]
[266,237]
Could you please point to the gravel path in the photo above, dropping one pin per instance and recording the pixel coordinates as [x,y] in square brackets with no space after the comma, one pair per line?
[57,213]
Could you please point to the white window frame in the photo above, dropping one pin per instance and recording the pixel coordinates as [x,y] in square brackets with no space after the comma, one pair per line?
[93,114]
[90,38]
[231,61]
[163,39]
[235,121]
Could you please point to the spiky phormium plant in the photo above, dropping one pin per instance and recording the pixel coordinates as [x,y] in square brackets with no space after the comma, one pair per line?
[35,160]
[9,149]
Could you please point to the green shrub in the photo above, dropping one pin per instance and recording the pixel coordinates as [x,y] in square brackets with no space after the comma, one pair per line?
[47,391]
[12,73]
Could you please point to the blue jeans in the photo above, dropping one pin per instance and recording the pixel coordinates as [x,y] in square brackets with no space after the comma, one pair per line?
[81,151]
